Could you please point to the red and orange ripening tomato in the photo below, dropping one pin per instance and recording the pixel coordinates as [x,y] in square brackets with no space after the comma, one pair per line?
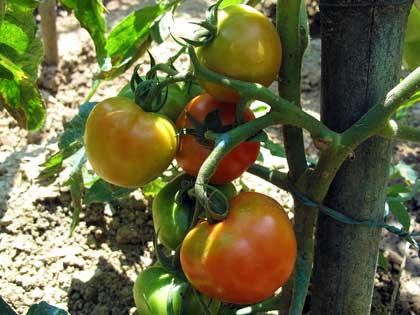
[127,146]
[192,153]
[245,258]
[247,47]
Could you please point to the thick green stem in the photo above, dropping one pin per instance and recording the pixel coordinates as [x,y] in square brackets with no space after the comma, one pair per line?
[378,116]
[292,32]
[290,114]
[276,178]
[224,144]
[394,130]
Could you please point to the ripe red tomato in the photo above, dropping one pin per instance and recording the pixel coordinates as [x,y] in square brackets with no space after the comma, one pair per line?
[245,258]
[127,146]
[192,153]
[246,47]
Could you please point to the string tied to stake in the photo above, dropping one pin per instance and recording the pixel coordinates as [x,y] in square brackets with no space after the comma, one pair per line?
[340,217]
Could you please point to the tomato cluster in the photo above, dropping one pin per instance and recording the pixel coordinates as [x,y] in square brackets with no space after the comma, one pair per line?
[242,259]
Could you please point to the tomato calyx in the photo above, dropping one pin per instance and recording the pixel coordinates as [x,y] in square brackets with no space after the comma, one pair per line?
[209,27]
[212,125]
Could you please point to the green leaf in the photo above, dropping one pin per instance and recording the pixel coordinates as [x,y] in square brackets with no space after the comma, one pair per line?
[54,164]
[101,191]
[382,261]
[406,171]
[20,55]
[76,192]
[226,3]
[161,28]
[90,15]
[5,308]
[75,128]
[400,213]
[413,100]
[44,308]
[152,189]
[395,190]
[274,148]
[129,40]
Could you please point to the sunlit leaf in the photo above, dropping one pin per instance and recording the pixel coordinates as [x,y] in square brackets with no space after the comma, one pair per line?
[90,15]
[20,55]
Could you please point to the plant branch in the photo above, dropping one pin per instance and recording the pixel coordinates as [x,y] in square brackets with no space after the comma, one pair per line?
[224,144]
[291,20]
[276,178]
[290,114]
[394,130]
[378,116]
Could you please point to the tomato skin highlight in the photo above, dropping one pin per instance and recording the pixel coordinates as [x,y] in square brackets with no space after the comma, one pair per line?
[127,146]
[191,153]
[151,290]
[245,258]
[247,47]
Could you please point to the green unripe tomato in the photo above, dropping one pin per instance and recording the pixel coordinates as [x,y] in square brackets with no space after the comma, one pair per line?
[155,285]
[172,219]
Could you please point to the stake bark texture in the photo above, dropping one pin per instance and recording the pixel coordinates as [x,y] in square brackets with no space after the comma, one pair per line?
[361,60]
[47,11]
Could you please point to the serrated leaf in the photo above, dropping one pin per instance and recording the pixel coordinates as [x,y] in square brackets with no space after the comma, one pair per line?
[75,128]
[44,308]
[382,261]
[54,164]
[400,213]
[20,56]
[90,16]
[129,40]
[101,191]
[5,309]
[160,30]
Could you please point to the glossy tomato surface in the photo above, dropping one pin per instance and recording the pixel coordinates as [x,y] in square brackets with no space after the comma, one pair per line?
[245,258]
[127,146]
[192,153]
[247,47]
[172,219]
[153,288]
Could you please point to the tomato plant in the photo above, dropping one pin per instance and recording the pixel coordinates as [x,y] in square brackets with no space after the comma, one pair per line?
[173,209]
[193,151]
[171,217]
[155,286]
[239,53]
[178,96]
[127,146]
[229,260]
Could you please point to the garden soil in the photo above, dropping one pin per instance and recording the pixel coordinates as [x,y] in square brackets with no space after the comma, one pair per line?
[92,272]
